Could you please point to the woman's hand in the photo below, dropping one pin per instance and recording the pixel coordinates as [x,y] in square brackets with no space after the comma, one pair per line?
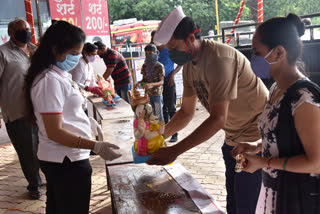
[105,150]
[95,90]
[254,163]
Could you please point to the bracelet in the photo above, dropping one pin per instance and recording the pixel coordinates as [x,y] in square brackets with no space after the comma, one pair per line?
[269,161]
[79,141]
[285,164]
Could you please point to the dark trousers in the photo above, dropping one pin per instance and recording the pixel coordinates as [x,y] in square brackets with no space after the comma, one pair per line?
[169,100]
[68,186]
[24,139]
[242,188]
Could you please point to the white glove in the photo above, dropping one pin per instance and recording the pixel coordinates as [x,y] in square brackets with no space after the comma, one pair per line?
[96,129]
[105,150]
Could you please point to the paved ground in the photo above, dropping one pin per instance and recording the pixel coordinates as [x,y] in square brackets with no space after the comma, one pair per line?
[204,162]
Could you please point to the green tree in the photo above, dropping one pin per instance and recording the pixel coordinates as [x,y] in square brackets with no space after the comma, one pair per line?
[203,11]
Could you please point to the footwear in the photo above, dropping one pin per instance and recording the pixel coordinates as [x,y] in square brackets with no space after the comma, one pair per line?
[174,138]
[35,195]
[92,153]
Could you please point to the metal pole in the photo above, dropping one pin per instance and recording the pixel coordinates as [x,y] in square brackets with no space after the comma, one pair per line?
[29,16]
[39,19]
[260,10]
[217,15]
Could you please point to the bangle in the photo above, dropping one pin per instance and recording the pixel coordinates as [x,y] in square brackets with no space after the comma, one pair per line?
[269,160]
[79,141]
[285,164]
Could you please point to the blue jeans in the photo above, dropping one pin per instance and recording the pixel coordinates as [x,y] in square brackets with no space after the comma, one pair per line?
[242,188]
[157,103]
[122,91]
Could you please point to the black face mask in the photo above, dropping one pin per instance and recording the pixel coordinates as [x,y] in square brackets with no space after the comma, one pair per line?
[180,57]
[23,36]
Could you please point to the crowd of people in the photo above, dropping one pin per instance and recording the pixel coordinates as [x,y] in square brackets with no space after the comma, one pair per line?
[42,97]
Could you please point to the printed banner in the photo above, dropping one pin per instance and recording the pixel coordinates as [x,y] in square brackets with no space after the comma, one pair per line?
[95,17]
[66,10]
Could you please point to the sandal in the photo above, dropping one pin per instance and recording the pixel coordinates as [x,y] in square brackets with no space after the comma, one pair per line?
[35,195]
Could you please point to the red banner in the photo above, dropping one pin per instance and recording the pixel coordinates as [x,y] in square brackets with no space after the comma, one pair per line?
[95,17]
[66,10]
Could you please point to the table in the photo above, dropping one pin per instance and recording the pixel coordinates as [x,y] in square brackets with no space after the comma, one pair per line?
[140,188]
[102,112]
[119,132]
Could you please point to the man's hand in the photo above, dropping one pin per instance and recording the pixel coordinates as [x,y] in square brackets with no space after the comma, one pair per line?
[164,156]
[171,79]
[105,150]
[245,148]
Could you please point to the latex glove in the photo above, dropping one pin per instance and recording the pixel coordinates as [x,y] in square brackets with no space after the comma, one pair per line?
[105,150]
[96,128]
[96,90]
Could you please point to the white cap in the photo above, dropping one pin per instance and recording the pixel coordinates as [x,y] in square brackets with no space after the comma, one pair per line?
[167,26]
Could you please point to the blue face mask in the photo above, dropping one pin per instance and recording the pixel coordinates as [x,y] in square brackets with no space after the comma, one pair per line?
[260,66]
[69,63]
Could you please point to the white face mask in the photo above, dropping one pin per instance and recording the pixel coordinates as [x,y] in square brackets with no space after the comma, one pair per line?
[91,58]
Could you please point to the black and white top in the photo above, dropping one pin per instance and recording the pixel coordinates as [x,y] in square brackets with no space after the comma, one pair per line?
[267,123]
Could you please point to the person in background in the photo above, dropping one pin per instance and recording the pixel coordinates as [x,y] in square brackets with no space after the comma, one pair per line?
[221,78]
[83,73]
[289,124]
[152,79]
[14,62]
[55,103]
[169,86]
[117,68]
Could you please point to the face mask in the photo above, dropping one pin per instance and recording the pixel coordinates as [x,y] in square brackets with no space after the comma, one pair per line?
[260,66]
[181,57]
[23,36]
[91,58]
[69,63]
[151,59]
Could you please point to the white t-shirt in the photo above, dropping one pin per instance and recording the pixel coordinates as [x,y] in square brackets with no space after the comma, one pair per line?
[53,93]
[83,74]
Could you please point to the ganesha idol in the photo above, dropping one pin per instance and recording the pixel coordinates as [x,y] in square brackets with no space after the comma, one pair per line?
[147,130]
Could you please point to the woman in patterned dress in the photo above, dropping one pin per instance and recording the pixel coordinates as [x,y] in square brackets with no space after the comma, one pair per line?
[289,124]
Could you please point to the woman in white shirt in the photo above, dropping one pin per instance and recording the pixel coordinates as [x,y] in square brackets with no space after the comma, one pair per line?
[55,104]
[83,73]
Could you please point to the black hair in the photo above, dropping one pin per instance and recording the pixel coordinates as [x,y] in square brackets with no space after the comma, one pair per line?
[88,47]
[306,21]
[100,45]
[60,37]
[185,27]
[284,31]
[151,47]
[152,35]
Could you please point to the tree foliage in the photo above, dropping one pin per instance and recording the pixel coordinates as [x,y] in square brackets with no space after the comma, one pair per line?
[204,11]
